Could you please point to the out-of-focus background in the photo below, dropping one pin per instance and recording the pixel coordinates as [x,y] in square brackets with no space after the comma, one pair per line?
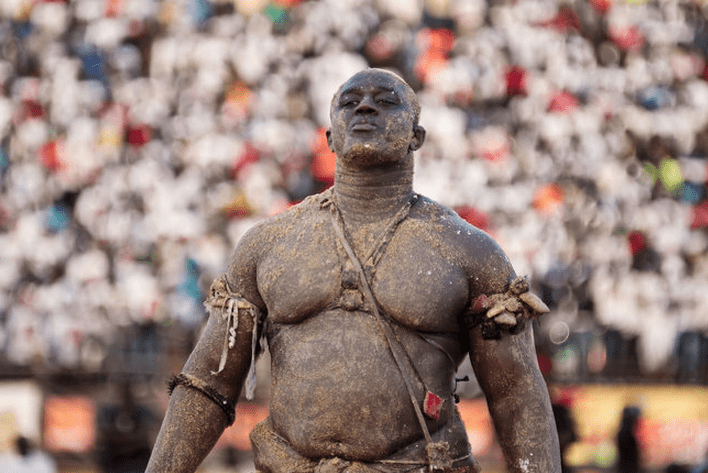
[139,139]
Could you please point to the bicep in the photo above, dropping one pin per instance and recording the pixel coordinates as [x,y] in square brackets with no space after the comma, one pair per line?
[506,365]
[225,348]
[242,273]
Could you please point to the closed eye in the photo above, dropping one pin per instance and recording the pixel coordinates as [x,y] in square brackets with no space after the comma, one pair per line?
[349,100]
[387,97]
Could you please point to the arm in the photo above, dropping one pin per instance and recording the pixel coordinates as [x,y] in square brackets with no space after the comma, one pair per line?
[517,396]
[503,356]
[194,421]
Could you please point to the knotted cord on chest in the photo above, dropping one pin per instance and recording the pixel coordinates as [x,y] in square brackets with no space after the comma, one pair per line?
[438,455]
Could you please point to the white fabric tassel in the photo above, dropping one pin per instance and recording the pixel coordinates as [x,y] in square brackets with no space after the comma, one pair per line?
[251,380]
[230,306]
[230,339]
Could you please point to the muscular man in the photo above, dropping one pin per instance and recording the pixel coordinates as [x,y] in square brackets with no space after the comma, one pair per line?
[369,296]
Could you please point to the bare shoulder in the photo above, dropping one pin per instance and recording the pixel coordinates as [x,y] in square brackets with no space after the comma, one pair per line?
[262,237]
[483,259]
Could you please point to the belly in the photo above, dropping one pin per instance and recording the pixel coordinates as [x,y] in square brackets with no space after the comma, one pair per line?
[336,390]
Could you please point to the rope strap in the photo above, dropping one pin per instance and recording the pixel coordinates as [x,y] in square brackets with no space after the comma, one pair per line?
[189,381]
[437,453]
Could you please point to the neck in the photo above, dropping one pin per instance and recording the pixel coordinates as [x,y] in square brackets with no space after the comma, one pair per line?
[370,195]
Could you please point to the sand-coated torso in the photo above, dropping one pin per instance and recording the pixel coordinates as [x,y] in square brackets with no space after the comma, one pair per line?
[336,390]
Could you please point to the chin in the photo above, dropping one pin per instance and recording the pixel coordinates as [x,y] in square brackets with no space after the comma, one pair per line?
[367,155]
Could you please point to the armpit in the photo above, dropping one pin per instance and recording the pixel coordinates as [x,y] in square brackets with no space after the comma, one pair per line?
[231,306]
[505,312]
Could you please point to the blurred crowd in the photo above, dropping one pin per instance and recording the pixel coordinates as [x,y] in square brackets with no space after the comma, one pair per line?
[139,139]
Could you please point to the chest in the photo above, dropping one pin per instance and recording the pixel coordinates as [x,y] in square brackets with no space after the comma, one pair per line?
[413,281]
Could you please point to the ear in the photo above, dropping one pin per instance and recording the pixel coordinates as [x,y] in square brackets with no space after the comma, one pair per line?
[418,138]
[328,134]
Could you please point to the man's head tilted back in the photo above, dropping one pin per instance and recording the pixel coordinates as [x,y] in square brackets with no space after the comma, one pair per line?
[374,119]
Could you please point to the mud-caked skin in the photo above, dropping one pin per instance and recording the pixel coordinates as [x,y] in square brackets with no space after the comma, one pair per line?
[335,389]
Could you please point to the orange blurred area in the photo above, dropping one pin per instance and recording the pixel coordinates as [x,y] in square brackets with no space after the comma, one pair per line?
[549,199]
[239,95]
[435,44]
[673,424]
[248,414]
[323,160]
[69,424]
[51,155]
[287,3]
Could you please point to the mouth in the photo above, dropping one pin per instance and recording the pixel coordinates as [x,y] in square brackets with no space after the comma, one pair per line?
[363,126]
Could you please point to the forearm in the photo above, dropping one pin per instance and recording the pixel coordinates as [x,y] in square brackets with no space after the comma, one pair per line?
[518,401]
[192,425]
[204,395]
[526,430]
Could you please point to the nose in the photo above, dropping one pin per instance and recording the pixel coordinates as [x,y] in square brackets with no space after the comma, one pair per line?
[366,106]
